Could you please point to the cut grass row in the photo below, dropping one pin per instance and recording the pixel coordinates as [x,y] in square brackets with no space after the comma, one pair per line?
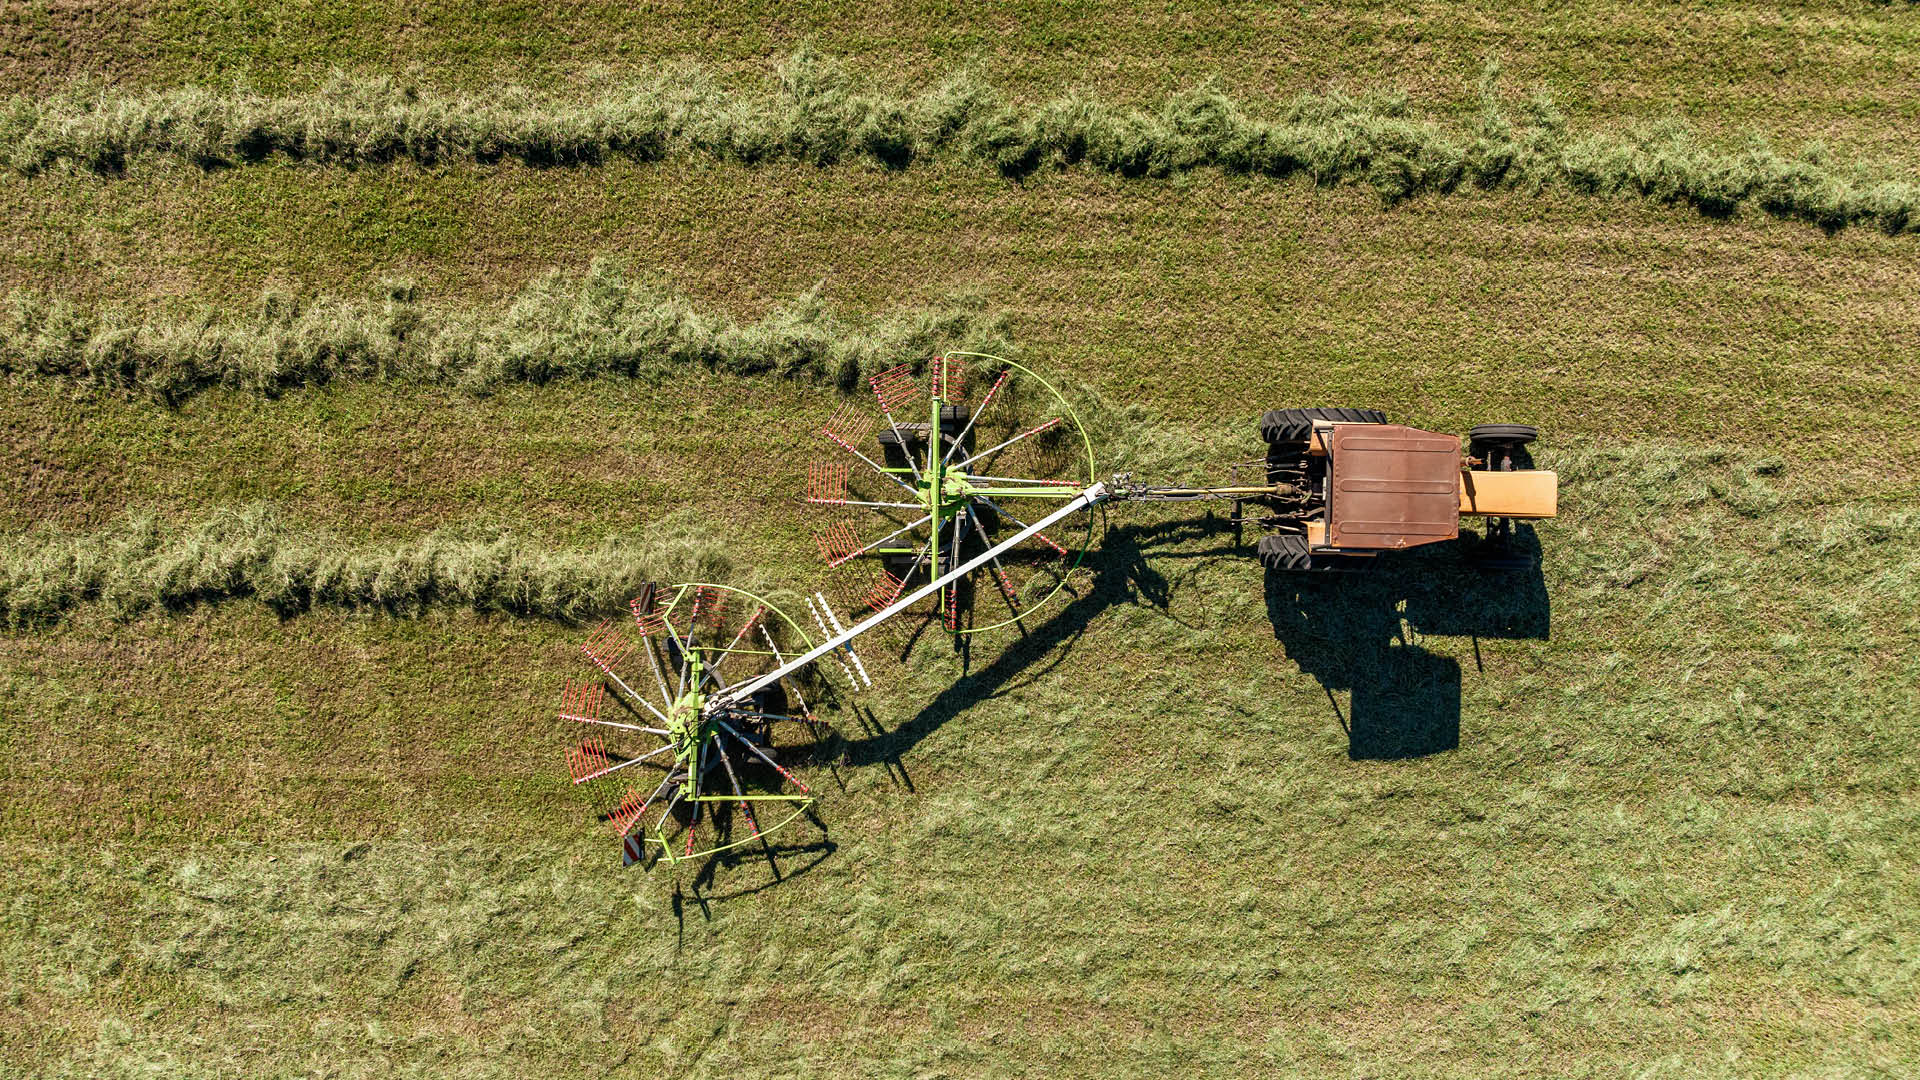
[139,565]
[1823,70]
[822,116]
[603,324]
[251,554]
[1201,302]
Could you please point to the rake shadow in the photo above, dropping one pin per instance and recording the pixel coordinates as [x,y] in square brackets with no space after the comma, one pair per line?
[1122,574]
[1348,631]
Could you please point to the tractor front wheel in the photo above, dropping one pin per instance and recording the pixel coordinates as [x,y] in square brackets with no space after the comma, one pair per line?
[1498,446]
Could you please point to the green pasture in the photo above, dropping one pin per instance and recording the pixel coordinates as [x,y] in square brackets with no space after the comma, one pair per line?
[1649,812]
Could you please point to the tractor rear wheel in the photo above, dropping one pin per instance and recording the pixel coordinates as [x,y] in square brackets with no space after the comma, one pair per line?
[1296,425]
[1288,552]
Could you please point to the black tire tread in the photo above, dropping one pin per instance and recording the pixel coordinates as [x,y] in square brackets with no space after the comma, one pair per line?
[1513,434]
[1288,553]
[1296,425]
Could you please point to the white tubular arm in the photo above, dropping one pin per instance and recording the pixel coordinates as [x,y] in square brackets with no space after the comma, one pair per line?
[1090,497]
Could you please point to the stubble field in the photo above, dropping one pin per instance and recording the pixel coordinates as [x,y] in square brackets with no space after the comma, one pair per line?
[1669,829]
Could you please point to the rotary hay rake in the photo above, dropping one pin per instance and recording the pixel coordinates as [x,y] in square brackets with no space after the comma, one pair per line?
[971,505]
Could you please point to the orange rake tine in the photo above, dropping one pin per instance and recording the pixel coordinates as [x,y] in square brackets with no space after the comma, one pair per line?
[849,424]
[837,543]
[895,386]
[582,701]
[606,646]
[627,814]
[885,591]
[588,760]
[827,484]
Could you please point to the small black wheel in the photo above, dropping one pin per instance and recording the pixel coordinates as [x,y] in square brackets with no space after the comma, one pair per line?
[1283,552]
[901,565]
[1288,552]
[911,437]
[772,699]
[1499,446]
[1296,425]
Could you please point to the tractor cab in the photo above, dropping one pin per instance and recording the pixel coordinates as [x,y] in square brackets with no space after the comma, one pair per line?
[1349,485]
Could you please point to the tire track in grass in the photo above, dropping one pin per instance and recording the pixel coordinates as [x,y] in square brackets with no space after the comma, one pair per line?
[1725,534]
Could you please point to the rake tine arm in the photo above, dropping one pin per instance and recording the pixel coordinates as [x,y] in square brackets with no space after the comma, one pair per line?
[1044,538]
[889,536]
[680,684]
[911,464]
[1051,422]
[623,764]
[886,393]
[734,781]
[761,754]
[737,638]
[960,439]
[871,464]
[953,559]
[659,674]
[629,691]
[999,579]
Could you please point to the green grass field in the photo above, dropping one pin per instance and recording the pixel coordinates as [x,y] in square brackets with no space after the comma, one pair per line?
[1670,829]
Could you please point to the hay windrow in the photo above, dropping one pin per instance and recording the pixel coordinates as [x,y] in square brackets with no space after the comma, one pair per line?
[605,323]
[817,112]
[138,566]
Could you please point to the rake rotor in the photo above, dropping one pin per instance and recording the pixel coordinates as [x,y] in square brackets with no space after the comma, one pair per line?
[680,772]
[941,480]
[699,725]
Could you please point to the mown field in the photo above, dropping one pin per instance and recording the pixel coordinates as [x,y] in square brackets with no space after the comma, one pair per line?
[1652,813]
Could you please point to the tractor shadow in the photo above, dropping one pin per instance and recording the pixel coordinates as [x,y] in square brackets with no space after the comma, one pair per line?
[1356,633]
